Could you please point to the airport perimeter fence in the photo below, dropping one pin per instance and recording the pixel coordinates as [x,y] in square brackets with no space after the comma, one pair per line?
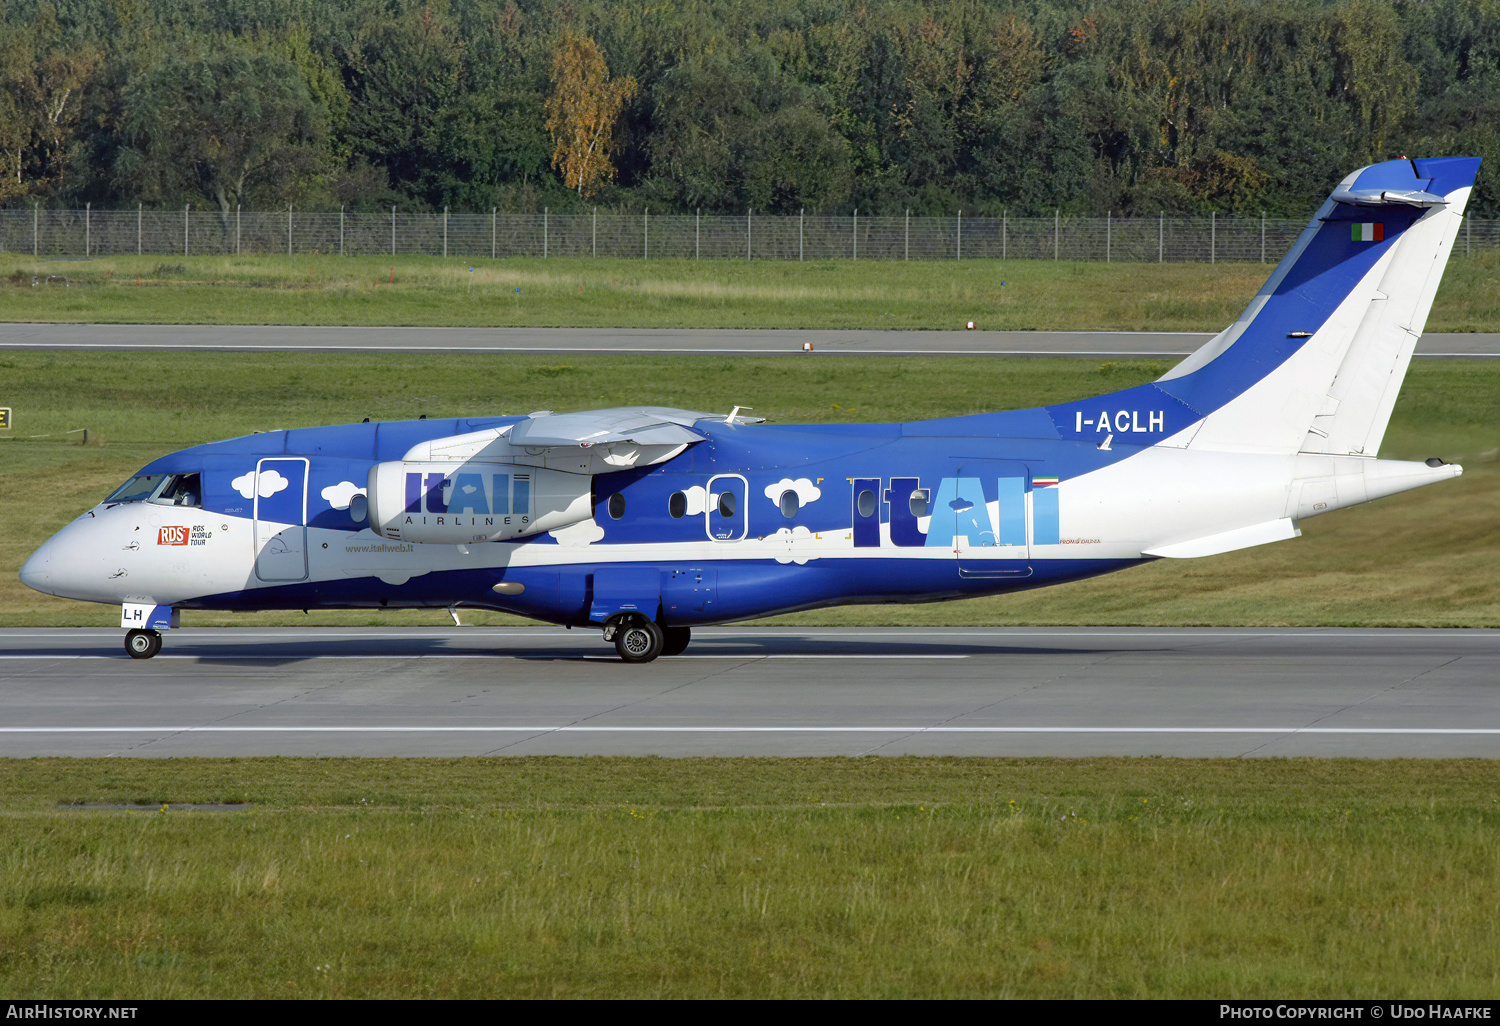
[82,233]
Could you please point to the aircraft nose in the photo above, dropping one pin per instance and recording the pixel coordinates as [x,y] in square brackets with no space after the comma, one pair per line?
[36,572]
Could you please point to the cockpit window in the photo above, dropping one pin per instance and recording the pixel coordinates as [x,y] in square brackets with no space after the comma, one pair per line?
[182,490]
[162,489]
[138,488]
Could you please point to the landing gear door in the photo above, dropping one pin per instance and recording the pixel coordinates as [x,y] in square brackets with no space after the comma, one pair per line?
[280,520]
[726,513]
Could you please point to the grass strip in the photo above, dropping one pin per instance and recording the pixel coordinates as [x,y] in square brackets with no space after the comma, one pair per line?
[612,293]
[908,877]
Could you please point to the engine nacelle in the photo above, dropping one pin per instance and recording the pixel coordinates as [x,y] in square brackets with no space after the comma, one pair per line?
[456,504]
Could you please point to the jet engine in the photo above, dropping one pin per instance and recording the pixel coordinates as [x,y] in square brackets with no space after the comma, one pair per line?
[444,503]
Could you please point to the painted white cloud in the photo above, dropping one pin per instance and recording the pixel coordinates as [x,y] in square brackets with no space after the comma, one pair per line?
[805,489]
[577,535]
[697,500]
[270,483]
[790,537]
[340,495]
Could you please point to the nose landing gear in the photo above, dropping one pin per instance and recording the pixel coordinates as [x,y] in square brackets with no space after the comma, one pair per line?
[142,644]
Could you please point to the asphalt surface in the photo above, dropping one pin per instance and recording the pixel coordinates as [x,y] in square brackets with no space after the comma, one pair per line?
[720,342]
[756,691]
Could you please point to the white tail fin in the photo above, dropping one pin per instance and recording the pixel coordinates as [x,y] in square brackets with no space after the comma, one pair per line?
[1315,362]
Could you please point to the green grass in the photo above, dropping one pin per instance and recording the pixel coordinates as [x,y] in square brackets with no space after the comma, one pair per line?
[575,292]
[736,877]
[750,878]
[1425,558]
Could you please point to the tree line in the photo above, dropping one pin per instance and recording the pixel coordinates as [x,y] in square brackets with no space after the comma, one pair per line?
[828,106]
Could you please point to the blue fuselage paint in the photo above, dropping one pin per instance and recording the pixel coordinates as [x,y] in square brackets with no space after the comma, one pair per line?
[887,489]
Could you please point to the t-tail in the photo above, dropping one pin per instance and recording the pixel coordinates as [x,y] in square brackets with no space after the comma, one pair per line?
[1280,417]
[1315,362]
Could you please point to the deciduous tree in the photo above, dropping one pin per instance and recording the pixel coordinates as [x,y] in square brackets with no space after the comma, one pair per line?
[581,113]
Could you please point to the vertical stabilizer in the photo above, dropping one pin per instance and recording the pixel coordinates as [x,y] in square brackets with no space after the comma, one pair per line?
[1315,362]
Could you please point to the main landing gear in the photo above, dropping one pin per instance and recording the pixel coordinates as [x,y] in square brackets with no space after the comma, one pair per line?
[142,644]
[639,640]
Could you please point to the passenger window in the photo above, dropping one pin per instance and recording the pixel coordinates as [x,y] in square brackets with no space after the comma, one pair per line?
[726,504]
[789,504]
[866,503]
[677,505]
[919,502]
[617,506]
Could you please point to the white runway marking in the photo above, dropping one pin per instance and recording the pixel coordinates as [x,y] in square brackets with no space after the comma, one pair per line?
[237,658]
[571,729]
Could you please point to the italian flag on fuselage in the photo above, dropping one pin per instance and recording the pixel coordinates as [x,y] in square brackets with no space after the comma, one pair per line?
[1369,232]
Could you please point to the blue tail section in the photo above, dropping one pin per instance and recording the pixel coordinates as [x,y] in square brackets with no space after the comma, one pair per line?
[1333,325]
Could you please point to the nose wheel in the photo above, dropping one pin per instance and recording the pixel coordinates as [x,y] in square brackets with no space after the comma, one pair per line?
[142,644]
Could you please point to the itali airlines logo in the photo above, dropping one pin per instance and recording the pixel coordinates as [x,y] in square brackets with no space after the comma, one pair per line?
[172,536]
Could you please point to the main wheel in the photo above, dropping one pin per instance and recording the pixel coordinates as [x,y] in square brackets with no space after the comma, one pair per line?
[142,644]
[639,641]
[675,640]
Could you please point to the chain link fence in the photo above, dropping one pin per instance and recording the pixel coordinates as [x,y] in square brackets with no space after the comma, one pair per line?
[77,233]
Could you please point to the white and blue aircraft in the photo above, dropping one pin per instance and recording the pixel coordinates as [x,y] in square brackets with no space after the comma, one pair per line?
[646,522]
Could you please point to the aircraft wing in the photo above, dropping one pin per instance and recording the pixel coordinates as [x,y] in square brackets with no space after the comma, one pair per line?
[641,426]
[588,442]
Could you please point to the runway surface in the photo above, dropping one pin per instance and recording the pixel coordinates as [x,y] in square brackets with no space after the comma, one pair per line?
[756,691]
[721,342]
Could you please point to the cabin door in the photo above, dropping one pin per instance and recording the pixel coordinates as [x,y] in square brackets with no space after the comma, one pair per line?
[280,520]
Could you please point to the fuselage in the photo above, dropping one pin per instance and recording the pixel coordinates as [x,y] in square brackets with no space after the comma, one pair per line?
[753,520]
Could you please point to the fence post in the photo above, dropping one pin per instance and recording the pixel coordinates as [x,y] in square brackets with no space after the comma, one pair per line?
[445,233]
[288,229]
[88,227]
[645,233]
[1467,222]
[237,229]
[747,233]
[1004,216]
[1161,234]
[1213,236]
[138,231]
[854,238]
[697,233]
[958,252]
[393,231]
[801,217]
[341,229]
[36,209]
[594,235]
[185,208]
[546,216]
[492,232]
[906,251]
[1109,224]
[1056,233]
[1262,236]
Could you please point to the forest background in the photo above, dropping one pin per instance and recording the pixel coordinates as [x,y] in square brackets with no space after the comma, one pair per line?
[1131,106]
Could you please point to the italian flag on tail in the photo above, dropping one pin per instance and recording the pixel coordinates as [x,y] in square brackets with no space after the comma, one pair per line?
[1368,232]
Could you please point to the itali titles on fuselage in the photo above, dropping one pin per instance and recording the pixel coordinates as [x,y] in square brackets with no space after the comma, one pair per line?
[646,521]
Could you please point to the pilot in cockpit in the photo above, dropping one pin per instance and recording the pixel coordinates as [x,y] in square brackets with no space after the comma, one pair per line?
[184,490]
